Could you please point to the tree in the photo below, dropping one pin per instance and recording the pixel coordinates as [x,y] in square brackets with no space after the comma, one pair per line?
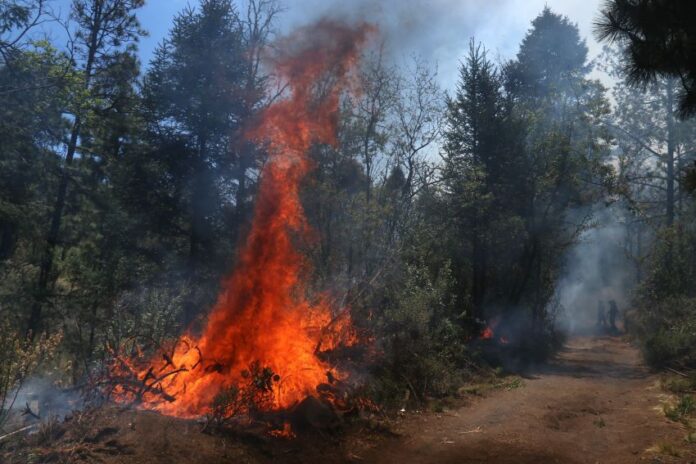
[17,20]
[551,58]
[654,147]
[105,29]
[201,91]
[476,167]
[566,147]
[660,37]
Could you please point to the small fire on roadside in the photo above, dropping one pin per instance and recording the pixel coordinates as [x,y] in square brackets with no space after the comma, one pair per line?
[264,332]
[489,332]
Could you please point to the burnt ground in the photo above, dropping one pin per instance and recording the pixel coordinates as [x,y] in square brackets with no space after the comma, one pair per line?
[595,403]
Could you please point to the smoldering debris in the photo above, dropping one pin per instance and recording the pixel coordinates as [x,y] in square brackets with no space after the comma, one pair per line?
[39,399]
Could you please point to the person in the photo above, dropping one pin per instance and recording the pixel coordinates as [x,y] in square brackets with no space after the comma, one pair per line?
[601,315]
[613,312]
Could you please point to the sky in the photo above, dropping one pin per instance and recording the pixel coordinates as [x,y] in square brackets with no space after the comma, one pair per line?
[436,30]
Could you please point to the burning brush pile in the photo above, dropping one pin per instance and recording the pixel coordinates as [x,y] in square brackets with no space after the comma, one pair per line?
[264,350]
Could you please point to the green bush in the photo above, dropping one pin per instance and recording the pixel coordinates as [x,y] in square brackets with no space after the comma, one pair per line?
[664,321]
[667,331]
[420,338]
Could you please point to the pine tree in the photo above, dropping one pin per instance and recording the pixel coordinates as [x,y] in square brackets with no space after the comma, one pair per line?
[198,97]
[659,39]
[566,145]
[104,30]
[482,168]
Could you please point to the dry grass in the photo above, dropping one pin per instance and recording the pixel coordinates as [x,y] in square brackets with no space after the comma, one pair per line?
[666,449]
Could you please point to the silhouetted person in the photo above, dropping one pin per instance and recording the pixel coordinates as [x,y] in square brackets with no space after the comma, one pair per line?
[601,315]
[613,312]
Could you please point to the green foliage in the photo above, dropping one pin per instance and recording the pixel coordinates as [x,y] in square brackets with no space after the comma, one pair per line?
[667,331]
[420,336]
[680,384]
[664,321]
[551,59]
[659,37]
[525,163]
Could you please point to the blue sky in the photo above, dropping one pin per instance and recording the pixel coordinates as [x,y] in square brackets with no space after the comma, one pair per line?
[437,30]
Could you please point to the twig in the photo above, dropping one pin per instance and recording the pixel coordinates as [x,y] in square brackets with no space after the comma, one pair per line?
[674,371]
[18,431]
[476,430]
[411,387]
[28,412]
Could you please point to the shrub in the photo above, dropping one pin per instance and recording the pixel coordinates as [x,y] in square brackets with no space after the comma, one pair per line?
[667,331]
[421,341]
[20,359]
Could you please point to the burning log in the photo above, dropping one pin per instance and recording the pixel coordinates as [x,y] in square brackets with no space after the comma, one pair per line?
[168,362]
[200,359]
[158,381]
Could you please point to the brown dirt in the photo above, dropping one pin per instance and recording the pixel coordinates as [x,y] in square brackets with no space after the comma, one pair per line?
[596,403]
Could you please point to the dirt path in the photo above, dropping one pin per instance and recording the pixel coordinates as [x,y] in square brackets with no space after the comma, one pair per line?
[597,403]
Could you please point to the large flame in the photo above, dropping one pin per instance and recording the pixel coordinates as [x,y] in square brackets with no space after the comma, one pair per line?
[263,315]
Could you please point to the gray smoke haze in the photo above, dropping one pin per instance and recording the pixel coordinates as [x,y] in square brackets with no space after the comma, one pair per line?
[39,399]
[440,30]
[436,30]
[596,268]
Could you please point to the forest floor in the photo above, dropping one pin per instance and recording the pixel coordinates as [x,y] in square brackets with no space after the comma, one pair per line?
[595,402]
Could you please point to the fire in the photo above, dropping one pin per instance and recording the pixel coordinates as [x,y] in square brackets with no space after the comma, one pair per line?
[488,333]
[263,316]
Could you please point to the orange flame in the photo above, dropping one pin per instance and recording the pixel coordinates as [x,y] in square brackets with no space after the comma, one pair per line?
[262,314]
[487,333]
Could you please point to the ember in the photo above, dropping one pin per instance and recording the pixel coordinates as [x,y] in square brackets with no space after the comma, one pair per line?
[489,333]
[263,317]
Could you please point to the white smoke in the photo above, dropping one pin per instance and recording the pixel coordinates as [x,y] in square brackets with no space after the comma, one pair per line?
[596,269]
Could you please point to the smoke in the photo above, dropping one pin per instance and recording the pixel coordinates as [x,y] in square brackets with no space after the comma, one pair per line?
[440,30]
[39,396]
[597,269]
[437,30]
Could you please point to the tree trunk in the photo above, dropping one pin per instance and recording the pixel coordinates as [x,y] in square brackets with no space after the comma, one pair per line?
[8,239]
[670,153]
[479,273]
[34,324]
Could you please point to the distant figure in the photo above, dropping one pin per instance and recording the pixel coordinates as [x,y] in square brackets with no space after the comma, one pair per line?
[613,312]
[601,315]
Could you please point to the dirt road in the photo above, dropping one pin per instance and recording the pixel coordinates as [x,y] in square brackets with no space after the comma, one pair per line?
[597,403]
